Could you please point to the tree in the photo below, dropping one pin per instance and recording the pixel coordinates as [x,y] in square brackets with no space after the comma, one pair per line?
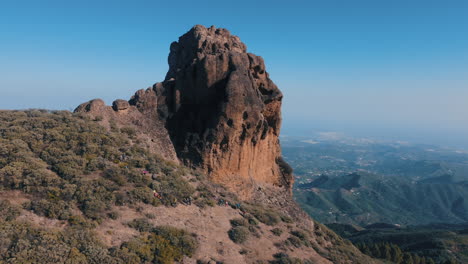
[397,255]
[386,254]
[376,251]
[407,259]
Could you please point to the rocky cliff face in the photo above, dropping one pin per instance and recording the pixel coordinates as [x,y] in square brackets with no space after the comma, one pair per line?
[219,108]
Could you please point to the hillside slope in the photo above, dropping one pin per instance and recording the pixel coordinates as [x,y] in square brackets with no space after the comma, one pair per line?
[436,243]
[365,198]
[74,191]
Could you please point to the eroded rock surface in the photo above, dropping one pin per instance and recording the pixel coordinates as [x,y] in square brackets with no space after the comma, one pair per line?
[220,109]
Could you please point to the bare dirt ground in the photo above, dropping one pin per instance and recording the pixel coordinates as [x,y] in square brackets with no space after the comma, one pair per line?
[210,226]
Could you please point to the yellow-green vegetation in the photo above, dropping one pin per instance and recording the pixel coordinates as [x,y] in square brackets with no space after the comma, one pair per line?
[283,258]
[50,155]
[73,169]
[162,245]
[68,168]
[435,243]
[393,253]
[22,243]
[277,231]
[264,215]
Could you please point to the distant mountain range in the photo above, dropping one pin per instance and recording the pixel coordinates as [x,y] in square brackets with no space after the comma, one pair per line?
[395,201]
[364,182]
[365,198]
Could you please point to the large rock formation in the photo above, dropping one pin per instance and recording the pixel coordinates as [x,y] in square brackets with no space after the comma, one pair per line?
[221,111]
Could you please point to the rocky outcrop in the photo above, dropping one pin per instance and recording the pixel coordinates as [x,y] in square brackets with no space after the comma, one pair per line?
[120,105]
[220,109]
[148,129]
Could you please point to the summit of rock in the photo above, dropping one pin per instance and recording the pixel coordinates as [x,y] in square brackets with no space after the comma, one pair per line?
[198,42]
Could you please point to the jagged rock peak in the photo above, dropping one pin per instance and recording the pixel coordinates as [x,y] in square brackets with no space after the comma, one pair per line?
[200,41]
[220,110]
[224,112]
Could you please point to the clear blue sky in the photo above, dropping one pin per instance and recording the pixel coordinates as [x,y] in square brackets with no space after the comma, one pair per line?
[389,68]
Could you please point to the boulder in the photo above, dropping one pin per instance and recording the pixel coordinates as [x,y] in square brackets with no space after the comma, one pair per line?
[119,105]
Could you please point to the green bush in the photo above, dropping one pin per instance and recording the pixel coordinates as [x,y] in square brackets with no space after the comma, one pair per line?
[174,188]
[115,174]
[300,234]
[239,234]
[185,243]
[277,231]
[8,212]
[141,224]
[286,219]
[22,243]
[239,222]
[283,258]
[113,215]
[130,131]
[295,241]
[145,195]
[266,216]
[50,208]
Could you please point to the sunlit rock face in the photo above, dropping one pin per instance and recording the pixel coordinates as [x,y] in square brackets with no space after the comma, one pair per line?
[221,111]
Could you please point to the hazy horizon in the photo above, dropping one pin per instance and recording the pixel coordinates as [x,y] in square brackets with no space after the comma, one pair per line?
[394,70]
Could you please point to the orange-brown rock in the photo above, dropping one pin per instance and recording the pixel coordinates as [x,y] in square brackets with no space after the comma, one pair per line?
[220,109]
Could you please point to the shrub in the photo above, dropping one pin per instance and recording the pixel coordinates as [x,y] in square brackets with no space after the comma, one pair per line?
[113,215]
[266,216]
[295,241]
[239,222]
[130,131]
[77,220]
[300,234]
[252,220]
[283,258]
[94,209]
[141,224]
[286,219]
[150,216]
[239,234]
[181,239]
[8,212]
[115,174]
[174,188]
[277,231]
[254,231]
[50,208]
[145,195]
